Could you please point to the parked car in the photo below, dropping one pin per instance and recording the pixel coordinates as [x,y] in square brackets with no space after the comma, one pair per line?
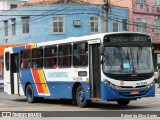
[1,79]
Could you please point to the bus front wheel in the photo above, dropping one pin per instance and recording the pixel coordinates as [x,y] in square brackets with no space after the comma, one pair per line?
[30,94]
[123,102]
[80,97]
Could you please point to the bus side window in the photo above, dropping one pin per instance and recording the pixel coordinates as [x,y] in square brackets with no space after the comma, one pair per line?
[80,54]
[50,57]
[37,58]
[64,55]
[25,59]
[25,64]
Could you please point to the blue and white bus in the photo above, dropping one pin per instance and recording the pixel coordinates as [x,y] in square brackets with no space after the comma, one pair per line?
[106,67]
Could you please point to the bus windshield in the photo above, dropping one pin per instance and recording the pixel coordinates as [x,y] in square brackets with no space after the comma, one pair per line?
[127,60]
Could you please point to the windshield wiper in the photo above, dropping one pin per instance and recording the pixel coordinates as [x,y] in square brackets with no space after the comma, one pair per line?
[126,55]
[139,55]
[137,59]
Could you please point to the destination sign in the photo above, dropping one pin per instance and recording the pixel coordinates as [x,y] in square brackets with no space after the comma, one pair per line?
[127,38]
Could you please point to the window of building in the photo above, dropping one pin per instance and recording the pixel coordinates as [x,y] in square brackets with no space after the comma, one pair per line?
[80,54]
[125,24]
[58,25]
[25,59]
[141,6]
[141,25]
[64,58]
[141,1]
[50,57]
[12,6]
[6,28]
[37,58]
[115,25]
[13,22]
[25,25]
[7,60]
[157,2]
[157,26]
[94,27]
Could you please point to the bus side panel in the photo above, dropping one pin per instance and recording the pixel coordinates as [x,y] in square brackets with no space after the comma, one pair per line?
[7,85]
[60,90]
[64,89]
[21,89]
[51,89]
[25,76]
[42,88]
[61,81]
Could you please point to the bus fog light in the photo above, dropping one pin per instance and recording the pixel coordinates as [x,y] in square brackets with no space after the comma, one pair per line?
[106,82]
[151,84]
[117,87]
[109,84]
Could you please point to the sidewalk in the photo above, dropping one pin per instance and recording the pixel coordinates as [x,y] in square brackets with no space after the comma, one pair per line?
[157,89]
[1,88]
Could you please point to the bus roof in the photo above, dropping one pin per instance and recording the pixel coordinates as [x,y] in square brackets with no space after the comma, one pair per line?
[98,36]
[83,38]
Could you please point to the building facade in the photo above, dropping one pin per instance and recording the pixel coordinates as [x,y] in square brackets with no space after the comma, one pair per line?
[120,3]
[7,5]
[128,4]
[90,1]
[146,19]
[40,23]
[10,4]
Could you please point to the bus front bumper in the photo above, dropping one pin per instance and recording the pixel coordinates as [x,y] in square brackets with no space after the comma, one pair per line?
[112,94]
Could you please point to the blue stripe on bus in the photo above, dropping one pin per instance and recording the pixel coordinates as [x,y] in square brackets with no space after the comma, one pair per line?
[18,48]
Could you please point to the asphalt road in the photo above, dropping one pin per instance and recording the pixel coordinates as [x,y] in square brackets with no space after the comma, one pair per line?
[96,109]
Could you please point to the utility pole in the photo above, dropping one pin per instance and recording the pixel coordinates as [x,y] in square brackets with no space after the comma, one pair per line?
[106,7]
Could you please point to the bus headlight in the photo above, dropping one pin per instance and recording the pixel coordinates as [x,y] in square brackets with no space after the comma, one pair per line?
[151,84]
[108,83]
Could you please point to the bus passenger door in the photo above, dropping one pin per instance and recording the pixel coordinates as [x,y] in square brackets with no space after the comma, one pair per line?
[94,68]
[14,73]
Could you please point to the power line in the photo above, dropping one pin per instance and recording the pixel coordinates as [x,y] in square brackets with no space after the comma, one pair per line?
[50,13]
[53,13]
[64,14]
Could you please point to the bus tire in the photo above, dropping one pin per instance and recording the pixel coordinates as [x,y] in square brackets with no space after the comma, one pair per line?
[80,97]
[30,94]
[123,102]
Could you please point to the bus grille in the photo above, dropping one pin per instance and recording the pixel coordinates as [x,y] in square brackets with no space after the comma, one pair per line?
[127,93]
[130,77]
[133,78]
[134,87]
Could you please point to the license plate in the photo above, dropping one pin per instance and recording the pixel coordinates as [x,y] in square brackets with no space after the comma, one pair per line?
[134,92]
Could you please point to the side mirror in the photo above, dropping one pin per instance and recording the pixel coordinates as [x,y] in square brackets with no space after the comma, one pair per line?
[101,50]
